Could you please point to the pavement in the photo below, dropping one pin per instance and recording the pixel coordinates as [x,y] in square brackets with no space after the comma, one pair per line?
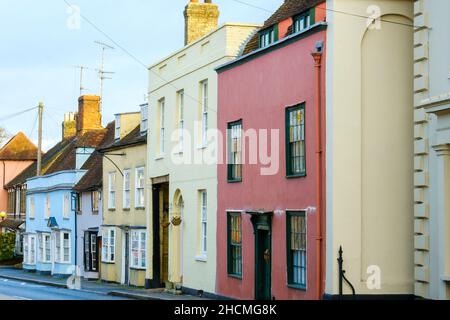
[88,288]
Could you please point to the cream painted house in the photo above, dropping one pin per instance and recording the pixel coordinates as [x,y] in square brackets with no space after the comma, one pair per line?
[370,146]
[183,95]
[124,233]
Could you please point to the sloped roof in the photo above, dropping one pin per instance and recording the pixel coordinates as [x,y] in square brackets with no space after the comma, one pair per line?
[11,224]
[62,156]
[93,179]
[289,8]
[133,138]
[19,148]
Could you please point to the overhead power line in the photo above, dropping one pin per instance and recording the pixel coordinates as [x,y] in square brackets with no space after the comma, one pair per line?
[127,52]
[331,10]
[13,115]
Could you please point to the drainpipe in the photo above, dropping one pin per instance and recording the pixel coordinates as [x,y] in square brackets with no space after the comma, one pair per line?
[317,56]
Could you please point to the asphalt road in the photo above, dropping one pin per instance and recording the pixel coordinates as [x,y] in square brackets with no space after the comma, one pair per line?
[15,290]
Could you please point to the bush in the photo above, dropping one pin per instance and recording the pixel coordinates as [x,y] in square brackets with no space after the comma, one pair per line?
[7,246]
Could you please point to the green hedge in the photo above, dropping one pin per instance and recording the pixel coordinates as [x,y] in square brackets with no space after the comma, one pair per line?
[7,245]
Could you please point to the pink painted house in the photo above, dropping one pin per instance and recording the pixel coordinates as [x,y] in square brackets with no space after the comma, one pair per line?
[271,224]
[15,156]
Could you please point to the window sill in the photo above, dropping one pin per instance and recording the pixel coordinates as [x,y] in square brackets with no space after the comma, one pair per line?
[63,263]
[201,147]
[234,181]
[297,287]
[108,262]
[126,209]
[201,258]
[296,176]
[140,208]
[160,157]
[235,276]
[111,209]
[138,268]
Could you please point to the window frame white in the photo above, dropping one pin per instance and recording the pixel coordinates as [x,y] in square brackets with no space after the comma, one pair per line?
[32,206]
[48,212]
[29,243]
[203,223]
[140,238]
[44,248]
[112,195]
[162,108]
[126,197]
[108,249]
[181,123]
[66,206]
[139,189]
[204,87]
[144,118]
[61,247]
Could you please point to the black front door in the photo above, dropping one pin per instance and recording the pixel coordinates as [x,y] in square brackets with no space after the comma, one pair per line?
[263,265]
[90,251]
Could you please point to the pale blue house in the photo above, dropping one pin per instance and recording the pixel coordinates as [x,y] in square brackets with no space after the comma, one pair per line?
[53,205]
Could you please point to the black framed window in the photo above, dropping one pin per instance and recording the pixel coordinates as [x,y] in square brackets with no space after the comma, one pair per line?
[295,141]
[296,249]
[234,133]
[235,244]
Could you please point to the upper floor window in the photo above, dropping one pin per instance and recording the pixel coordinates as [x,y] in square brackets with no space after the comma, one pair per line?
[144,118]
[267,37]
[32,210]
[235,151]
[23,200]
[66,206]
[295,141]
[95,201]
[205,106]
[140,188]
[126,189]
[117,127]
[112,190]
[11,201]
[162,105]
[303,21]
[47,207]
[180,102]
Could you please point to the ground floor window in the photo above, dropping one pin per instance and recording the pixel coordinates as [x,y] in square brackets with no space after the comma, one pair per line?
[138,248]
[29,243]
[296,248]
[44,248]
[235,244]
[108,245]
[62,246]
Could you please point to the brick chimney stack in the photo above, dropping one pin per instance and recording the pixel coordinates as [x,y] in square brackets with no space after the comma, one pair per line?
[200,19]
[89,116]
[69,126]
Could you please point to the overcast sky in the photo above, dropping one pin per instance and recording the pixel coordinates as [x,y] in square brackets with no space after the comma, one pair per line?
[40,47]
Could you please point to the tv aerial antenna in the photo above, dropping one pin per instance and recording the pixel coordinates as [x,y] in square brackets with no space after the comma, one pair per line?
[102,73]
